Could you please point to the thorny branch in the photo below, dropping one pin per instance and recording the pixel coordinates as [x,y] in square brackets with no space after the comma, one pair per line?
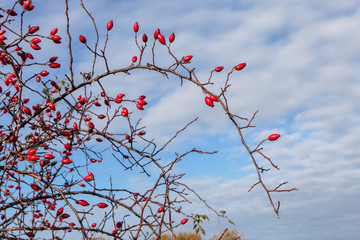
[65,135]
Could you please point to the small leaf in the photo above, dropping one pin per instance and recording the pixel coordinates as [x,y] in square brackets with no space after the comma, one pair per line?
[27,137]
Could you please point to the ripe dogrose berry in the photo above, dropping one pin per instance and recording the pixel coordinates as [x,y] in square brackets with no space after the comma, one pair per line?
[109,25]
[34,46]
[240,66]
[136,27]
[273,137]
[156,33]
[161,39]
[11,12]
[35,187]
[83,203]
[66,161]
[172,37]
[209,102]
[89,178]
[27,110]
[142,102]
[102,205]
[144,38]
[55,38]
[51,106]
[124,112]
[29,55]
[213,98]
[91,125]
[54,65]
[119,224]
[33,29]
[184,221]
[33,158]
[82,39]
[48,156]
[140,107]
[187,58]
[134,59]
[53,59]
[161,209]
[27,4]
[31,152]
[59,211]
[35,40]
[44,73]
[219,69]
[67,146]
[54,31]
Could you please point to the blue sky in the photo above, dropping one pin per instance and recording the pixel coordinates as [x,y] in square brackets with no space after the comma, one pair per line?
[302,74]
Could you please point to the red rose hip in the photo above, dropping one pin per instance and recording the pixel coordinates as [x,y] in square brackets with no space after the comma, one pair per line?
[240,66]
[102,205]
[172,37]
[110,25]
[144,38]
[44,73]
[209,102]
[156,33]
[136,27]
[161,39]
[187,58]
[54,31]
[161,209]
[219,69]
[273,137]
[213,98]
[82,39]
[184,221]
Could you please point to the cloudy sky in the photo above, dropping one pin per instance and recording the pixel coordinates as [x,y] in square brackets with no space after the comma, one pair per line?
[303,68]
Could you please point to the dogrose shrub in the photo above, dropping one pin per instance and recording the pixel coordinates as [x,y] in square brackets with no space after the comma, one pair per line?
[55,132]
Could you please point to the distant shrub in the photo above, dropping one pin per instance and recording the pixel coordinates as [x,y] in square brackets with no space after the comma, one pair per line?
[228,235]
[223,235]
[181,236]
